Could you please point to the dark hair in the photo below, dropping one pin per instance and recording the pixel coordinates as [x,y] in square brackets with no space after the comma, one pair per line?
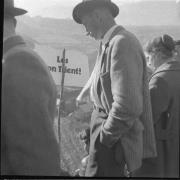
[164,44]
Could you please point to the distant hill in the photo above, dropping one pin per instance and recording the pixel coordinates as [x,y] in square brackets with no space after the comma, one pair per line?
[144,12]
[58,32]
[65,33]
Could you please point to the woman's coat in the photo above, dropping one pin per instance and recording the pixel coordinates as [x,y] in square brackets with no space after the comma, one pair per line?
[165,97]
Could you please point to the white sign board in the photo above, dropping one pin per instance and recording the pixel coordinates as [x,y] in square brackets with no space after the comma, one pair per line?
[76,65]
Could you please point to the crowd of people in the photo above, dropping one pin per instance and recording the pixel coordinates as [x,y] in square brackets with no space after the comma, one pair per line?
[134,129]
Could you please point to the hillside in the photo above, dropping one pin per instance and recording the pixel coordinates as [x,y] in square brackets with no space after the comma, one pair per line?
[132,12]
[65,33]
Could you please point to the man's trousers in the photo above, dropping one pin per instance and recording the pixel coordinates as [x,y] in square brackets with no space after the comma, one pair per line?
[102,162]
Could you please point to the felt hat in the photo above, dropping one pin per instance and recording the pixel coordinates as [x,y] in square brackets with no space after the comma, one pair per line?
[89,5]
[10,10]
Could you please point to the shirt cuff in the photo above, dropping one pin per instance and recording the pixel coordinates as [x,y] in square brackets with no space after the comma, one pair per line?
[106,138]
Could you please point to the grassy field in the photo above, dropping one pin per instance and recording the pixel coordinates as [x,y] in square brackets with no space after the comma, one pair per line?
[72,150]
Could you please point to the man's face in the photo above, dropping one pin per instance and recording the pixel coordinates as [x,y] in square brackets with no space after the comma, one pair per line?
[92,25]
[8,26]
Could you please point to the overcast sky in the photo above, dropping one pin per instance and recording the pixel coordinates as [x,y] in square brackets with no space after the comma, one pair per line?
[44,3]
[35,7]
[26,3]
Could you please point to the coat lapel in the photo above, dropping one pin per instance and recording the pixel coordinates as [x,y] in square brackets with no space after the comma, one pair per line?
[103,57]
[103,80]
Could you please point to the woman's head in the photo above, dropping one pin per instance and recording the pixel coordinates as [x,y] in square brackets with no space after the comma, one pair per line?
[160,50]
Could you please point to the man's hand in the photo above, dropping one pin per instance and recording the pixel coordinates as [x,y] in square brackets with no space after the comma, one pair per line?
[80,101]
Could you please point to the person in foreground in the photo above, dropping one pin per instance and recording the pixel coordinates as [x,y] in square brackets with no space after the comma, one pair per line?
[165,97]
[28,143]
[122,132]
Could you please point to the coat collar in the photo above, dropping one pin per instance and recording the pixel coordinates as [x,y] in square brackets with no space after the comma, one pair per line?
[116,29]
[172,65]
[12,42]
[108,34]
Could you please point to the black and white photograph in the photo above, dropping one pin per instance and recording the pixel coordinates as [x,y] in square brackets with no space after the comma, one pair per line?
[90,89]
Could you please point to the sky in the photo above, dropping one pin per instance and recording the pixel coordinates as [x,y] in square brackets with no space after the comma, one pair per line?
[147,12]
[35,7]
[33,3]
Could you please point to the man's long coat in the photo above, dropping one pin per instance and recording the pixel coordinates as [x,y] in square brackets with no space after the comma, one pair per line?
[28,143]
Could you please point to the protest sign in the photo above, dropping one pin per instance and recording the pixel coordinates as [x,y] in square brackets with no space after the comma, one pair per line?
[76,65]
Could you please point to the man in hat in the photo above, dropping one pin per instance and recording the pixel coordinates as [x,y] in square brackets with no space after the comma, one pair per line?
[28,143]
[122,131]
